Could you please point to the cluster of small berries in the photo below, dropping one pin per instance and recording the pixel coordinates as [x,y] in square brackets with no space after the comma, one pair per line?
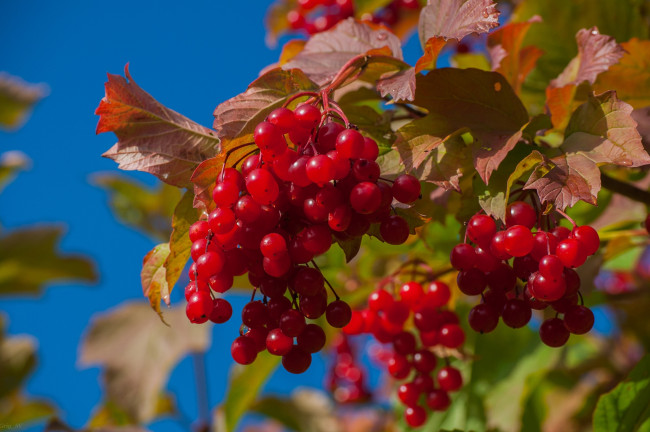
[412,360]
[279,213]
[315,16]
[346,380]
[543,260]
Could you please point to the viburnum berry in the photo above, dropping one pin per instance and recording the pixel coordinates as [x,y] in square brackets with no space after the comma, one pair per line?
[571,252]
[463,257]
[394,230]
[415,416]
[451,335]
[406,188]
[578,319]
[481,228]
[437,294]
[518,241]
[221,311]
[199,307]
[278,343]
[438,400]
[311,339]
[516,313]
[449,379]
[296,361]
[553,332]
[588,237]
[520,213]
[243,350]
[338,313]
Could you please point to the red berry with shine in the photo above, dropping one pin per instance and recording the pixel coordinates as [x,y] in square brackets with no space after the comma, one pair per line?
[449,379]
[243,350]
[588,237]
[571,252]
[277,343]
[518,241]
[578,319]
[520,213]
[394,230]
[338,313]
[406,188]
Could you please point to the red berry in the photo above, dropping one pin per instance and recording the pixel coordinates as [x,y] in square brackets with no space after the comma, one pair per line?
[415,416]
[398,366]
[243,350]
[588,237]
[317,239]
[553,333]
[408,393]
[365,197]
[571,252]
[262,186]
[471,282]
[406,188]
[480,229]
[311,339]
[307,116]
[199,307]
[463,257]
[424,361]
[521,213]
[380,300]
[483,318]
[320,169]
[338,313]
[578,319]
[561,233]
[221,220]
[370,148]
[210,263]
[255,314]
[449,379]
[283,119]
[516,313]
[497,246]
[225,194]
[292,323]
[543,244]
[451,335]
[438,400]
[366,170]
[411,293]
[547,288]
[199,230]
[350,144]
[394,230]
[437,294]
[404,343]
[296,361]
[518,241]
[277,343]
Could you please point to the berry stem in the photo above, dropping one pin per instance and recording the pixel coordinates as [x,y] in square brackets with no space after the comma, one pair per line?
[566,216]
[228,153]
[626,189]
[325,279]
[299,95]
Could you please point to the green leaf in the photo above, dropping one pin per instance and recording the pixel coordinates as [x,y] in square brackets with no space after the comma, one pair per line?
[626,407]
[362,7]
[153,277]
[374,124]
[24,411]
[17,98]
[21,274]
[138,353]
[179,243]
[138,206]
[245,384]
[11,163]
[349,246]
[471,60]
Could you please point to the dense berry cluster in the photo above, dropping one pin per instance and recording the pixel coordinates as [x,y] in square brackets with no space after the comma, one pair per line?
[279,213]
[543,260]
[346,380]
[315,16]
[412,361]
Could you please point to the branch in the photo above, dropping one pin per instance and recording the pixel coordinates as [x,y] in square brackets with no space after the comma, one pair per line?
[626,189]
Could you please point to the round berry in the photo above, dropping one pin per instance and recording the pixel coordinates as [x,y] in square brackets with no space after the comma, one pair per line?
[338,313]
[463,257]
[365,197]
[243,350]
[449,379]
[350,144]
[520,213]
[553,333]
[438,400]
[578,319]
[518,241]
[480,229]
[199,307]
[296,361]
[571,252]
[415,416]
[406,188]
[483,318]
[588,237]
[292,323]
[277,343]
[516,313]
[394,230]
[199,230]
[451,335]
[424,361]
[311,339]
[411,293]
[408,393]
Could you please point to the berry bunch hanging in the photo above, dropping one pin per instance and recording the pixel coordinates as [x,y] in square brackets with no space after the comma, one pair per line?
[413,323]
[346,380]
[544,261]
[276,215]
[315,16]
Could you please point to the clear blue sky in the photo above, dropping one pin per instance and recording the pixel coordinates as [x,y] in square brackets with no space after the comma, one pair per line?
[191,56]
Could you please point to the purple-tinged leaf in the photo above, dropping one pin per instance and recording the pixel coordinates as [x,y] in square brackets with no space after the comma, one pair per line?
[596,53]
[455,19]
[325,53]
[400,86]
[240,114]
[151,137]
[603,130]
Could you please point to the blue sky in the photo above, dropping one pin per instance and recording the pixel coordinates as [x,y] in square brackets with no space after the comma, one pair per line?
[189,55]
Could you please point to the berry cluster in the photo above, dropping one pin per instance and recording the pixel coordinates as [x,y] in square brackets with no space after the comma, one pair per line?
[543,260]
[279,213]
[412,360]
[347,379]
[315,16]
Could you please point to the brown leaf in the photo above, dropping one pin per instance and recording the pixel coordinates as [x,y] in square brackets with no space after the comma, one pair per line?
[400,86]
[151,137]
[153,277]
[474,100]
[509,57]
[603,130]
[138,353]
[432,49]
[325,53]
[240,115]
[455,19]
[631,76]
[596,53]
[642,117]
[565,180]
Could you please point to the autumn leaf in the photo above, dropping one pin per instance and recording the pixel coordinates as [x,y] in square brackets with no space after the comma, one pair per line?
[326,52]
[603,130]
[642,117]
[509,57]
[151,137]
[565,180]
[631,76]
[432,49]
[25,276]
[471,100]
[137,354]
[153,277]
[400,86]
[17,99]
[138,206]
[455,19]
[240,114]
[179,243]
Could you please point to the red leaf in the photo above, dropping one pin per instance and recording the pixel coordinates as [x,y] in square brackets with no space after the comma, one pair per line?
[565,180]
[596,53]
[242,113]
[325,53]
[455,19]
[603,130]
[431,51]
[151,137]
[509,58]
[400,86]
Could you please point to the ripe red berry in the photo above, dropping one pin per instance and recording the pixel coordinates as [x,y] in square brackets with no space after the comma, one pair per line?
[320,169]
[243,350]
[365,197]
[370,148]
[262,186]
[406,188]
[438,400]
[404,343]
[548,288]
[497,246]
[338,313]
[518,241]
[588,237]
[471,282]
[408,393]
[415,416]
[553,333]
[394,230]
[380,300]
[199,307]
[311,339]
[317,239]
[451,335]
[221,311]
[292,323]
[199,230]
[483,318]
[463,257]
[551,266]
[424,361]
[277,343]
[480,229]
[449,379]
[578,319]
[255,314]
[411,293]
[350,144]
[437,294]
[516,313]
[225,194]
[398,366]
[283,119]
[521,213]
[296,361]
[571,252]
[210,263]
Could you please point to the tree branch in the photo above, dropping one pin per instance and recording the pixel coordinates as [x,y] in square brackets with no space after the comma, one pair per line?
[626,189]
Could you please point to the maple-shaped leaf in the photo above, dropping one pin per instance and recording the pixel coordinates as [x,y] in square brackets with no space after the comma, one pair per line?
[471,100]
[240,114]
[17,98]
[565,180]
[509,57]
[596,53]
[631,76]
[455,19]
[326,52]
[151,137]
[25,276]
[603,130]
[138,353]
